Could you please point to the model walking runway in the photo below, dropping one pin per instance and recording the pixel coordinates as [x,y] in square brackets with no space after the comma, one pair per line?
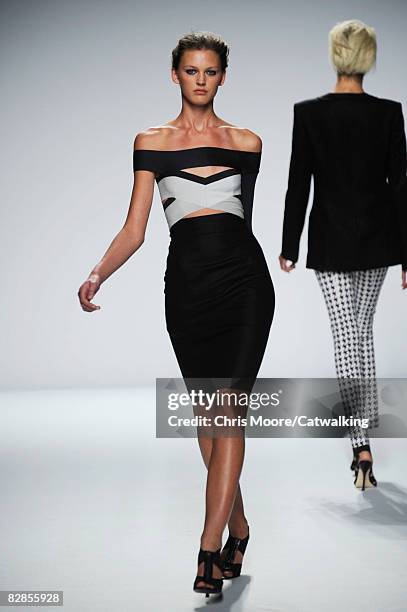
[219,296]
[353,145]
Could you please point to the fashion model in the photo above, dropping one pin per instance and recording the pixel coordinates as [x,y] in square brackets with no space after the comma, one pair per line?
[353,144]
[219,296]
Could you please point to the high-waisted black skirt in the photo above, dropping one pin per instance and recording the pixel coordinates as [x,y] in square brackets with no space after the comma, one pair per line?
[219,299]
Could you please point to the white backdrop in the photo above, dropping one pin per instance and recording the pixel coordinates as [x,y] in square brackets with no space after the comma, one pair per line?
[79,80]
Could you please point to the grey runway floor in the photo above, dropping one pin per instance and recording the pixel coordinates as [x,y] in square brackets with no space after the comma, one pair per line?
[92,503]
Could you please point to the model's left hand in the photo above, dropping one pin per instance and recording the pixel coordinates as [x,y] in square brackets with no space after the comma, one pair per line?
[404,279]
[286,264]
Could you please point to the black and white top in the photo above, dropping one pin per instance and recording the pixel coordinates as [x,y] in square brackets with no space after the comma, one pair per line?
[183,192]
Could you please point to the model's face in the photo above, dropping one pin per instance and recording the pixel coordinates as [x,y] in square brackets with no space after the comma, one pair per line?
[199,75]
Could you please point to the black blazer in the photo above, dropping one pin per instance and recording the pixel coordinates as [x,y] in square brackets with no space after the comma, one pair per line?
[354,146]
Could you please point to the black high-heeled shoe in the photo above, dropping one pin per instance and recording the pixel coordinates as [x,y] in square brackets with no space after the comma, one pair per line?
[364,478]
[356,451]
[210,558]
[233,545]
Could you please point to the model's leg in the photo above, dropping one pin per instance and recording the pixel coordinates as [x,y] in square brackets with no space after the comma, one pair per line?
[368,286]
[339,293]
[224,457]
[238,522]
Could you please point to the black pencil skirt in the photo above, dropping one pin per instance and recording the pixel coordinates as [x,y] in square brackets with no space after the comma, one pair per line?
[219,301]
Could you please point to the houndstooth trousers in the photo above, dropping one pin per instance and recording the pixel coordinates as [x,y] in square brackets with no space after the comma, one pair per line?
[351,299]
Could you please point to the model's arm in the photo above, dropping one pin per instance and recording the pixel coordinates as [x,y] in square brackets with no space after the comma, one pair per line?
[299,181]
[128,240]
[248,141]
[397,176]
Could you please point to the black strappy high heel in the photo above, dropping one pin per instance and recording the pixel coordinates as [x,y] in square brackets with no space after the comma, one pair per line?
[364,478]
[210,558]
[233,545]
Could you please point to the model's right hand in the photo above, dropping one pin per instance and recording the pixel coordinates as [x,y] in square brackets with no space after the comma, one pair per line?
[286,264]
[403,279]
[87,290]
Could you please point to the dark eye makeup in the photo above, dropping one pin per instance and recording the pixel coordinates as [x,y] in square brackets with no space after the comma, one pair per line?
[209,71]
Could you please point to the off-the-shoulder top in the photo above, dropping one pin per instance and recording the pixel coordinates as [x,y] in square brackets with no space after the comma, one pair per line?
[183,192]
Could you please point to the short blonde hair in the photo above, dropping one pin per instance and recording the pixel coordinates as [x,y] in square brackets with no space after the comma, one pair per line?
[352,47]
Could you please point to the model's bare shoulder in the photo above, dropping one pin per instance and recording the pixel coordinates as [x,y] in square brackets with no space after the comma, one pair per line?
[153,138]
[246,140]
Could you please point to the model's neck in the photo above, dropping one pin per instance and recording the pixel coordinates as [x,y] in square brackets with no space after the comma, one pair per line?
[349,84]
[196,118]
